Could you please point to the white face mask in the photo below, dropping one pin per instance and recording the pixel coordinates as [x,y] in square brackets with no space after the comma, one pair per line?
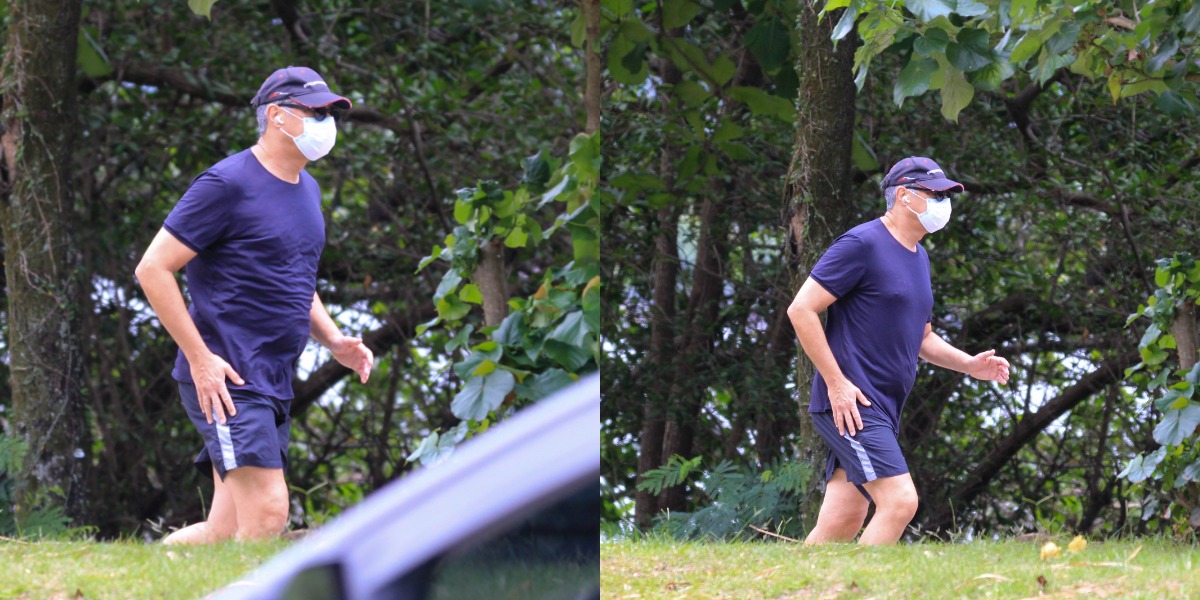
[318,137]
[936,215]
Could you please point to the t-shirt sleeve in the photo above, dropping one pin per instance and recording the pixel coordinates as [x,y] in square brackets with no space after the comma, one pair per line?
[200,218]
[842,266]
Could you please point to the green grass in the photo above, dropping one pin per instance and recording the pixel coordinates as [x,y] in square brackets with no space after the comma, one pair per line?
[656,568]
[37,570]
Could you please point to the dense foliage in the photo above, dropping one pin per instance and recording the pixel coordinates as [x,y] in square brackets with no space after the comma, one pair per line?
[445,94]
[1070,200]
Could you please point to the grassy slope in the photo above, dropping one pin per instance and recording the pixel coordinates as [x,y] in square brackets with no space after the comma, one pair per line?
[1009,569]
[124,569]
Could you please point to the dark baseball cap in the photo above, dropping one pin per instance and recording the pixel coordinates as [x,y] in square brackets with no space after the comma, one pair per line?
[922,172]
[301,85]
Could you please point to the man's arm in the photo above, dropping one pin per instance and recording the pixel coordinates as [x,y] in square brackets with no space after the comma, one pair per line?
[985,365]
[156,274]
[811,301]
[351,352]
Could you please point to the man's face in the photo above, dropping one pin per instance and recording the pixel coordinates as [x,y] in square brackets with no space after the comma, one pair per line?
[918,199]
[291,116]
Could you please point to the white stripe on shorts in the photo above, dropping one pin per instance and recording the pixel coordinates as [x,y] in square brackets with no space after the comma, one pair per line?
[226,440]
[863,459]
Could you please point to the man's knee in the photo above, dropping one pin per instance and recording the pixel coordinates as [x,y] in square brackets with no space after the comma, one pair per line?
[901,504]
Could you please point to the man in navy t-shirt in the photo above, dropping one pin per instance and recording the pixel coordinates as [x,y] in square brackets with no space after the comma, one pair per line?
[250,232]
[874,281]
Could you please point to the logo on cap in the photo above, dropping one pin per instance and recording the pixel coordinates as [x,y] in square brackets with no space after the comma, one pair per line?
[316,83]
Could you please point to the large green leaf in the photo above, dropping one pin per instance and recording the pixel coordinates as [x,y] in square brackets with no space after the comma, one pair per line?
[846,23]
[933,41]
[90,56]
[928,10]
[971,50]
[956,92]
[1141,467]
[990,77]
[769,43]
[677,13]
[914,79]
[482,395]
[202,7]
[1177,425]
[570,356]
[511,330]
[626,63]
[571,330]
[543,384]
[763,104]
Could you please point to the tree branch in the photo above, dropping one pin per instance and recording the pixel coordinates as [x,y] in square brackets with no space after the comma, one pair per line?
[1026,430]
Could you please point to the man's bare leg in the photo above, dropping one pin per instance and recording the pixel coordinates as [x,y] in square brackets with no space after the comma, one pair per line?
[842,512]
[261,498]
[895,506]
[221,524]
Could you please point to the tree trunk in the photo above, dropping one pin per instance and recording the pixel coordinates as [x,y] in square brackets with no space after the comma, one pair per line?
[493,286]
[702,325]
[42,263]
[1184,330]
[662,340]
[591,95]
[819,205]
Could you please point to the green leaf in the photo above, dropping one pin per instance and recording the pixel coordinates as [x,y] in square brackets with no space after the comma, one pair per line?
[1049,64]
[536,173]
[862,155]
[569,356]
[1145,85]
[763,104]
[989,78]
[619,8]
[1026,48]
[846,23]
[1063,39]
[423,327]
[511,329]
[956,92]
[1152,334]
[516,238]
[572,330]
[90,56]
[482,395]
[448,284]
[437,252]
[626,63]
[470,293]
[585,155]
[693,94]
[1141,467]
[728,130]
[914,79]
[722,70]
[1177,425]
[970,8]
[451,308]
[578,29]
[768,42]
[202,7]
[544,384]
[677,13]
[928,10]
[933,41]
[971,50]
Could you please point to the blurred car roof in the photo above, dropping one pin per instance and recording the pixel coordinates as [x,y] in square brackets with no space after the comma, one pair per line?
[537,457]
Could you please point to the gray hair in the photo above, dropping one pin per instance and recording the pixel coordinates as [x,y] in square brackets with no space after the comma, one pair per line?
[262,120]
[889,195]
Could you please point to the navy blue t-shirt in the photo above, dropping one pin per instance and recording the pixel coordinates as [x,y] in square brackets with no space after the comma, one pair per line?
[257,240]
[875,327]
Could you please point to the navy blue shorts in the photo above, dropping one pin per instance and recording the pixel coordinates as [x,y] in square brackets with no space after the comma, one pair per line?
[256,437]
[871,453]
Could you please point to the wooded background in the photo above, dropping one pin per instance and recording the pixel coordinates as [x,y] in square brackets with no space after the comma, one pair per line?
[467,122]
[743,140]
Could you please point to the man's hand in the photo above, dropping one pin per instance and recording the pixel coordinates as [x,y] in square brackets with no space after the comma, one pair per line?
[208,375]
[988,367]
[843,399]
[353,354]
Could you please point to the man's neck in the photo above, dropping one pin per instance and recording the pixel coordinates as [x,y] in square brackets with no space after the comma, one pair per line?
[278,159]
[903,229]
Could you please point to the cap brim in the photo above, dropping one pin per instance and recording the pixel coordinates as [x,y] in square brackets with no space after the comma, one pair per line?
[321,100]
[941,185]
